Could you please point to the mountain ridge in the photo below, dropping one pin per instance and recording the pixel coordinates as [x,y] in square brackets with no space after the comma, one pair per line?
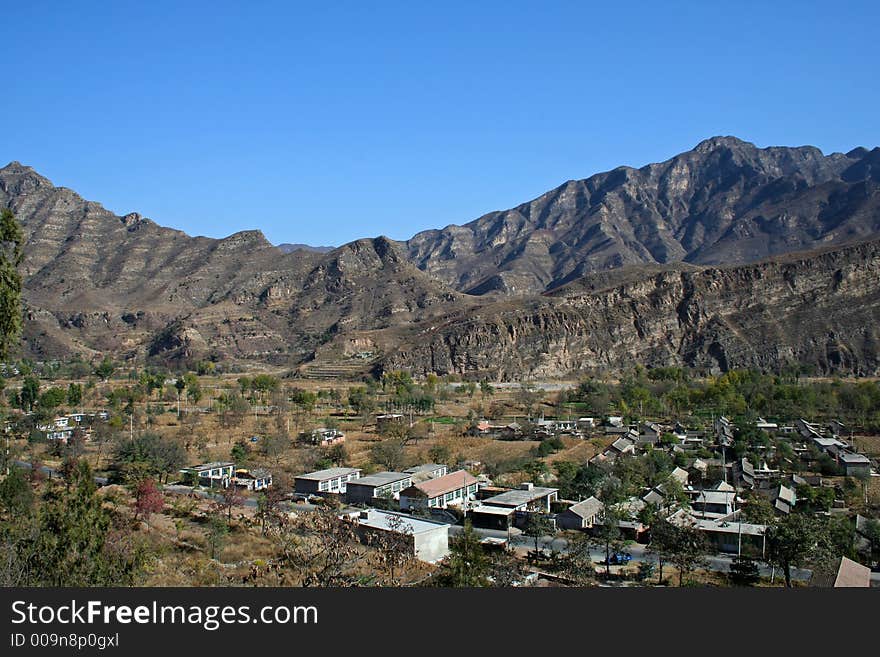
[96,282]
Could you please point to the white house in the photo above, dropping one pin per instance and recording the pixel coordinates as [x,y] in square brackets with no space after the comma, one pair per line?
[453,489]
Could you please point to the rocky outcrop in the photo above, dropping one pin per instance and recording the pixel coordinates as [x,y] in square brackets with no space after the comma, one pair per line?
[623,260]
[95,282]
[818,309]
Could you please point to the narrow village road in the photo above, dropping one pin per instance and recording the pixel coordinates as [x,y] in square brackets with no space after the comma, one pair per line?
[716,562]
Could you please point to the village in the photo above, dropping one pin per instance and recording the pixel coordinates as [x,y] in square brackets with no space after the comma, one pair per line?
[609,499]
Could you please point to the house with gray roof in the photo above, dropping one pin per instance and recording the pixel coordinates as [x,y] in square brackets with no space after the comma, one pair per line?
[380,485]
[582,515]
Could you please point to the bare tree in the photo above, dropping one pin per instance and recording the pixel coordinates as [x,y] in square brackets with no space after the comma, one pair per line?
[394,549]
[318,549]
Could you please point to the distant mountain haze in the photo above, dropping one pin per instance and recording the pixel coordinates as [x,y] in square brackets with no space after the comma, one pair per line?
[571,260]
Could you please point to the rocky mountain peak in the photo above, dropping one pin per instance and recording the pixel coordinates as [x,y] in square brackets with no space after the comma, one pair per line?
[17,178]
[729,143]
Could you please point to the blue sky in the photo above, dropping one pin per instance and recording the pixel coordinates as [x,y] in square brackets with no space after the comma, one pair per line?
[322,124]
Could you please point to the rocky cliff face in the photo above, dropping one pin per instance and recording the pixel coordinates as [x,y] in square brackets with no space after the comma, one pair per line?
[95,283]
[725,202]
[621,259]
[818,309]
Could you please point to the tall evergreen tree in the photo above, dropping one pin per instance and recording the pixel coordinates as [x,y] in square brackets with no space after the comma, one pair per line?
[10,282]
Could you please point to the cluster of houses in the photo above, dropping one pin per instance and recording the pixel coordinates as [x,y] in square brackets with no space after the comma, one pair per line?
[831,441]
[223,474]
[322,437]
[61,428]
[417,501]
[537,428]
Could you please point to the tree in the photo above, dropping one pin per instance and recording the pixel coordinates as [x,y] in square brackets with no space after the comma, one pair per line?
[193,389]
[607,535]
[105,368]
[758,510]
[646,570]
[30,393]
[743,572]
[662,545]
[505,569]
[538,525]
[269,502]
[466,565]
[148,499]
[362,402]
[16,495]
[871,532]
[394,548]
[216,535]
[338,454]
[318,549]
[388,453]
[70,542]
[439,454]
[53,398]
[11,240]
[230,498]
[147,455]
[791,542]
[577,563]
[689,550]
[74,395]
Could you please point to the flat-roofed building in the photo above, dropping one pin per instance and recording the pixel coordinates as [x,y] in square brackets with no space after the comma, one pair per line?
[428,539]
[217,474]
[492,517]
[854,465]
[525,498]
[331,480]
[380,485]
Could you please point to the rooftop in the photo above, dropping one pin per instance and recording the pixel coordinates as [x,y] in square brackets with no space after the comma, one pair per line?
[586,509]
[427,467]
[329,473]
[210,466]
[520,497]
[848,574]
[446,483]
[391,521]
[849,457]
[493,510]
[380,479]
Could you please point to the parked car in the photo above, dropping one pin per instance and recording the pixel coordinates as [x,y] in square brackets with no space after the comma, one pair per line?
[618,559]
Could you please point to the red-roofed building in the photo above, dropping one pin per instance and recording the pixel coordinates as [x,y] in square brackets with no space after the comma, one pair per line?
[452,489]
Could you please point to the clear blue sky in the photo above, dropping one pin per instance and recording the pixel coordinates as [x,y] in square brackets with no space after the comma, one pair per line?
[322,124]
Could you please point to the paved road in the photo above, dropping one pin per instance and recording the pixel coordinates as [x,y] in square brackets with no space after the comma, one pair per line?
[716,562]
[52,473]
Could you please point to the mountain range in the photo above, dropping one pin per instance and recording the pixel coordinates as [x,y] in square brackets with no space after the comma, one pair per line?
[725,256]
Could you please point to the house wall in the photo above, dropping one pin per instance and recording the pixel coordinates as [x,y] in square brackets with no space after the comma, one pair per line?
[305,486]
[433,545]
[490,521]
[568,520]
[357,494]
[857,470]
